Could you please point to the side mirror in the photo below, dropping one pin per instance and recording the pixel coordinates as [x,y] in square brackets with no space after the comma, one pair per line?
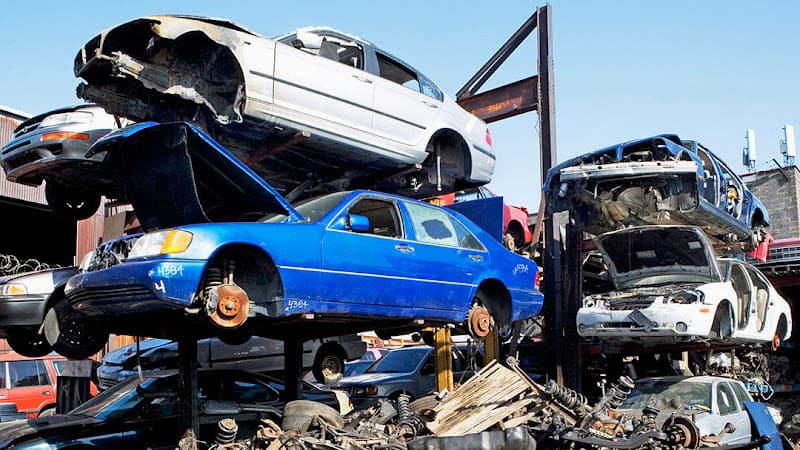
[309,40]
[352,222]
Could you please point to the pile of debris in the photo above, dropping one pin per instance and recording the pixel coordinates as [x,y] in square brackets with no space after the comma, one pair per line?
[498,408]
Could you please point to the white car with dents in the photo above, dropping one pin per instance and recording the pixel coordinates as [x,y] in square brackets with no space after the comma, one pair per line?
[312,109]
[670,287]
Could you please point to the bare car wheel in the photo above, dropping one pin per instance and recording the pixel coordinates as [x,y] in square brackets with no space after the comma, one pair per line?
[72,334]
[32,345]
[72,205]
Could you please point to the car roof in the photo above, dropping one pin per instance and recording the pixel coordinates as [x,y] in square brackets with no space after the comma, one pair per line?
[14,356]
[693,379]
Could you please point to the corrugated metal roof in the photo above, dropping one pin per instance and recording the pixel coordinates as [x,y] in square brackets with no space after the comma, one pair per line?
[7,188]
[14,114]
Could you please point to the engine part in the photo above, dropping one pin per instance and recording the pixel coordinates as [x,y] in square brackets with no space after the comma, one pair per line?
[681,431]
[479,321]
[409,425]
[567,397]
[226,432]
[618,393]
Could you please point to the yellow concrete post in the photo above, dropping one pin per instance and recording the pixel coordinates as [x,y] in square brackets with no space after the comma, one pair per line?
[444,359]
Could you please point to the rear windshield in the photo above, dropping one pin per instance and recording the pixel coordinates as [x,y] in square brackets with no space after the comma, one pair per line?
[668,394]
[399,361]
[650,248]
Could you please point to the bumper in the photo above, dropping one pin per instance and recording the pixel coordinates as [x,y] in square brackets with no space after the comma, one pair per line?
[23,311]
[28,159]
[109,376]
[136,286]
[654,321]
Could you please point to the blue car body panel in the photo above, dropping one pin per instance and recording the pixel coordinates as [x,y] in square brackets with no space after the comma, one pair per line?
[764,424]
[698,194]
[323,268]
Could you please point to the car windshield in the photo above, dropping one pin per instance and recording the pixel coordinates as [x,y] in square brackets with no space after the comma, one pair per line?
[399,361]
[665,394]
[129,398]
[312,209]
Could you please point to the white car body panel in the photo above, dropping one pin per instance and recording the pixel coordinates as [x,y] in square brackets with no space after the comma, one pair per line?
[662,321]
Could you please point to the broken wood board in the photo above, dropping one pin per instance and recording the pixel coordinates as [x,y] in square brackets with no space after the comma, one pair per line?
[491,395]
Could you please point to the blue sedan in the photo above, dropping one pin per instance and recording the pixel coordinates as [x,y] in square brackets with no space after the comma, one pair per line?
[351,261]
[659,180]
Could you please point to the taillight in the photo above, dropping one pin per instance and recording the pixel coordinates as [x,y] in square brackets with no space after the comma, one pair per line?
[372,390]
[537,281]
[488,138]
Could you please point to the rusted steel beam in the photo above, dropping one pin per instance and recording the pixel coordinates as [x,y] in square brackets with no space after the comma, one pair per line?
[258,155]
[491,66]
[503,102]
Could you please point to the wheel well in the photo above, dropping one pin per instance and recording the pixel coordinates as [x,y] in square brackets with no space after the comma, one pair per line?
[254,271]
[454,151]
[498,299]
[515,227]
[726,306]
[782,328]
[758,218]
[57,295]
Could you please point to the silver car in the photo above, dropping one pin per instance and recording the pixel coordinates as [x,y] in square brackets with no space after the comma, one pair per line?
[52,147]
[312,110]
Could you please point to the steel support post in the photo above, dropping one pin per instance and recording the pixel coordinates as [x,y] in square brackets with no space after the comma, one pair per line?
[444,359]
[187,390]
[293,369]
[572,296]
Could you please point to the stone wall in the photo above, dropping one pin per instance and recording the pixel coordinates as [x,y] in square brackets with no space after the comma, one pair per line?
[779,191]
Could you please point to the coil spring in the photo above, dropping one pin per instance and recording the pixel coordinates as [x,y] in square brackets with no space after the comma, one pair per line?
[213,276]
[226,431]
[566,396]
[618,393]
[408,423]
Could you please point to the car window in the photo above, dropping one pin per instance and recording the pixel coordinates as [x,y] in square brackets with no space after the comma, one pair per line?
[311,209]
[400,74]
[384,219]
[741,395]
[249,392]
[430,89]
[342,50]
[435,226]
[27,373]
[761,295]
[668,394]
[3,375]
[468,195]
[726,399]
[710,191]
[399,361]
[57,366]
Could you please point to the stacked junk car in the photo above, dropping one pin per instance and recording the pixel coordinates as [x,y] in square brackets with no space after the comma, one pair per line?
[299,250]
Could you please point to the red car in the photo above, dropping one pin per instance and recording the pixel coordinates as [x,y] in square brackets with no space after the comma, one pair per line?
[30,383]
[516,233]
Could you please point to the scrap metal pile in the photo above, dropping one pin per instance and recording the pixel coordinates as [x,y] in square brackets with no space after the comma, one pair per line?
[499,408]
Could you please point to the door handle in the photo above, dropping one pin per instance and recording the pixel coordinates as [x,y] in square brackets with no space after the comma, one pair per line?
[429,104]
[46,393]
[362,79]
[404,248]
[476,258]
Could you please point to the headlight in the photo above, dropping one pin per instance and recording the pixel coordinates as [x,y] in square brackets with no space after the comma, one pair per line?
[12,289]
[161,243]
[69,117]
[685,297]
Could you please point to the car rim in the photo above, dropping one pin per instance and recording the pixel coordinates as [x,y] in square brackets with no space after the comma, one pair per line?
[331,366]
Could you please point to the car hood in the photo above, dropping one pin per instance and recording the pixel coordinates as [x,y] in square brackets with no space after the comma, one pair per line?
[40,427]
[120,355]
[174,174]
[370,378]
[41,281]
[653,255]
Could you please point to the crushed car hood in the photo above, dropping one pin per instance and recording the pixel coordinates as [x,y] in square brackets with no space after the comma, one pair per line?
[174,174]
[119,356]
[653,255]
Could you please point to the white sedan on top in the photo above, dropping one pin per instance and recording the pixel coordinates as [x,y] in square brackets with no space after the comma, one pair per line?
[669,287]
[312,109]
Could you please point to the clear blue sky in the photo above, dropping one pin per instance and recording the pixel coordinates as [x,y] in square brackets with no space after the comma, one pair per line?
[623,70]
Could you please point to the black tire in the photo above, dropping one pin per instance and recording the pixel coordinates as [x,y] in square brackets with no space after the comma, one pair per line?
[32,345]
[71,334]
[298,414]
[329,359]
[71,205]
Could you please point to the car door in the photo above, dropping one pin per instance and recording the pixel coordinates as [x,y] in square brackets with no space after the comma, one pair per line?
[403,113]
[369,267]
[762,301]
[447,261]
[29,385]
[326,84]
[731,410]
[744,295]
